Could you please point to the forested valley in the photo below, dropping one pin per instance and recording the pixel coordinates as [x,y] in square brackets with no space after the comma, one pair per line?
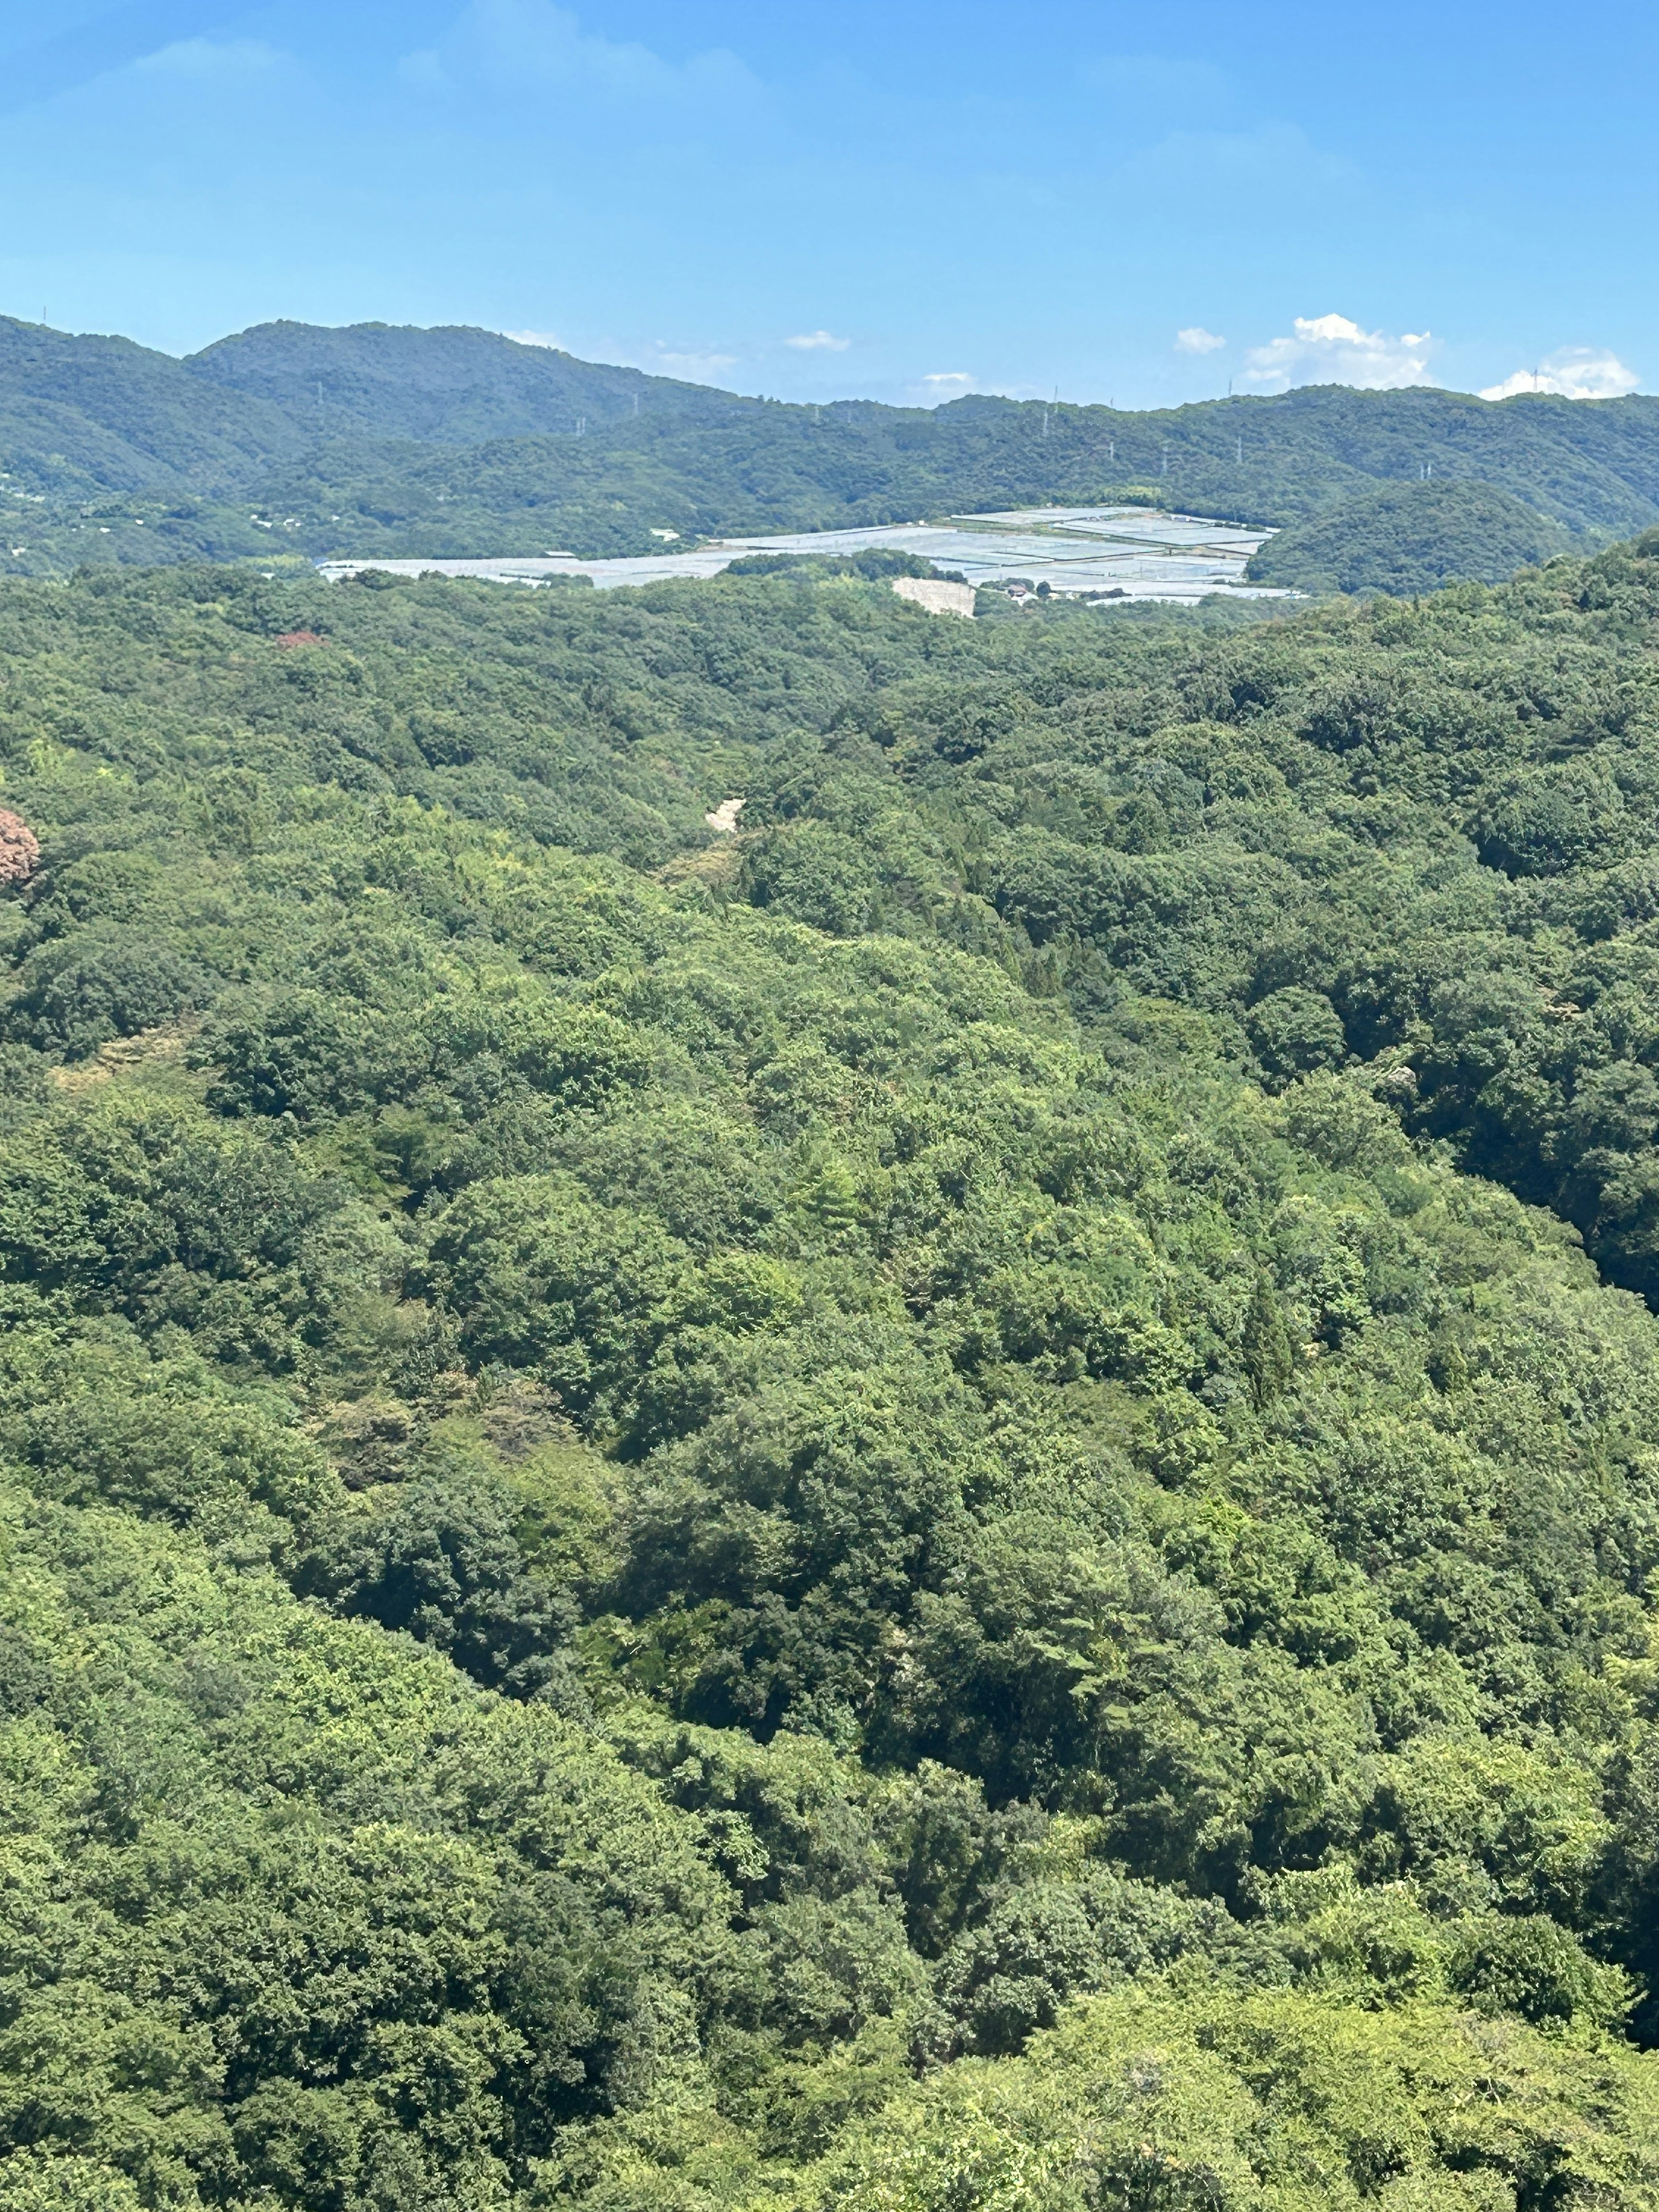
[953,1504]
[291,442]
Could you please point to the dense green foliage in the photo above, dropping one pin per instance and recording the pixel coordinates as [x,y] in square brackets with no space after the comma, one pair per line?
[1588,468]
[82,415]
[289,440]
[1265,2105]
[934,1508]
[450,386]
[84,418]
[1408,539]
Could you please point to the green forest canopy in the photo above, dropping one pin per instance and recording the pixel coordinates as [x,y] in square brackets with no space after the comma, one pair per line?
[289,440]
[1408,539]
[954,1505]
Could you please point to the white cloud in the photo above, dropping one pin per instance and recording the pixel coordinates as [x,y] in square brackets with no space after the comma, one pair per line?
[948,380]
[1331,350]
[1198,340]
[818,342]
[536,338]
[204,58]
[665,362]
[656,356]
[1573,373]
[530,45]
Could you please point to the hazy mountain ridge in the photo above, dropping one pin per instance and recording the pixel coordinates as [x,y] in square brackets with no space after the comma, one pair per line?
[453,386]
[86,416]
[371,439]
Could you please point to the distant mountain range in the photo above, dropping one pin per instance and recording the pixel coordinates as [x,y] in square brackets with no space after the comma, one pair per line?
[290,439]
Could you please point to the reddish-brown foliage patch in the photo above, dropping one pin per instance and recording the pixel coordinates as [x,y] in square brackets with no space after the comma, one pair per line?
[293,637]
[19,848]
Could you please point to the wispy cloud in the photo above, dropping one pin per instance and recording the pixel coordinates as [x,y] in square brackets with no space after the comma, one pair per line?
[533,46]
[1198,340]
[818,342]
[1573,373]
[536,338]
[210,60]
[948,380]
[114,39]
[691,361]
[1189,166]
[1331,350]
[1153,77]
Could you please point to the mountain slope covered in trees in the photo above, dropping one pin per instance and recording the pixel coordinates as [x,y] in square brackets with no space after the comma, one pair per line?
[1404,539]
[950,1505]
[451,386]
[291,440]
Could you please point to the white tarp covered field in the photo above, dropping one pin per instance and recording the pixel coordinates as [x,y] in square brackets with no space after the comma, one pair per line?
[1129,552]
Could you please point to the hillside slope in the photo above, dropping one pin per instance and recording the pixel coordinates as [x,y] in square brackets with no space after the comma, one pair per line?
[454,386]
[82,418]
[866,1515]
[784,468]
[459,442]
[1407,538]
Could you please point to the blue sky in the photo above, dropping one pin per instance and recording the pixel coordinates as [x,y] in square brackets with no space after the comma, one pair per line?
[819,197]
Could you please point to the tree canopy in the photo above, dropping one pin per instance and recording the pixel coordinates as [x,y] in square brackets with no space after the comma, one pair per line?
[1409,539]
[289,440]
[951,1504]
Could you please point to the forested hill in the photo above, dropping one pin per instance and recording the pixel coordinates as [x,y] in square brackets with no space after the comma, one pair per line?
[449,386]
[947,1507]
[291,439]
[1405,538]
